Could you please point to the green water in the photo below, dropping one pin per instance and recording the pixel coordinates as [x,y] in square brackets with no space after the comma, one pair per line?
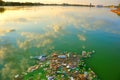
[31,31]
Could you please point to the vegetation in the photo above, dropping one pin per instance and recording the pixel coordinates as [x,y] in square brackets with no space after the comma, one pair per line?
[1,2]
[19,4]
[119,6]
[38,4]
[118,14]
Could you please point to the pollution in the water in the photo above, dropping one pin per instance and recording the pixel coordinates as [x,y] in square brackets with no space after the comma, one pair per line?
[59,39]
[60,66]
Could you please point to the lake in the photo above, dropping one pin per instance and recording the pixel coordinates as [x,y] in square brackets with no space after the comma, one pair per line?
[31,31]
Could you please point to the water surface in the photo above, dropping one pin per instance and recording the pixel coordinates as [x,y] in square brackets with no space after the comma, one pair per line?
[31,31]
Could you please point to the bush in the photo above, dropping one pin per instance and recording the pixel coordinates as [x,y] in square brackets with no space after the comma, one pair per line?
[119,6]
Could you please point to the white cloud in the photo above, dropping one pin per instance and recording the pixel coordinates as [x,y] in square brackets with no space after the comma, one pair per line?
[81,37]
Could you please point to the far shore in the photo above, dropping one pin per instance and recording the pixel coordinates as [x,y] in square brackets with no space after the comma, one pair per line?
[40,4]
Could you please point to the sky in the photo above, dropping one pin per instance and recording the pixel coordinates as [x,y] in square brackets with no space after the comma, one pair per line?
[103,2]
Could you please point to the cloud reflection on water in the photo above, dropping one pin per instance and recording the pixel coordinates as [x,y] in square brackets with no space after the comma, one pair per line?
[81,37]
[33,39]
[18,56]
[38,27]
[79,17]
[4,31]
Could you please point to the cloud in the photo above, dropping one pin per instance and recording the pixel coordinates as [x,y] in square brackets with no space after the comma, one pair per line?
[81,37]
[12,60]
[4,31]
[35,40]
[2,51]
[8,68]
[56,28]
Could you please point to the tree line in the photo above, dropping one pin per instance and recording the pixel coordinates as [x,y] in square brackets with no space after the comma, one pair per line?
[2,3]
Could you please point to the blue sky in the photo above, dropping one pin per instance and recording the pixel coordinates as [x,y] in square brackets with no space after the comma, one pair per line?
[104,2]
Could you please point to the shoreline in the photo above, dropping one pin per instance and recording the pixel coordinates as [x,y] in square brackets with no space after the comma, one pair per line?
[41,4]
[117,11]
[47,5]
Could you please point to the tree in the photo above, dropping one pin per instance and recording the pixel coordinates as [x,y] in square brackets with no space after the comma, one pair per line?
[1,2]
[119,5]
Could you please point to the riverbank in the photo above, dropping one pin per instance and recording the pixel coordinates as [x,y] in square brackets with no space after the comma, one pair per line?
[66,66]
[117,11]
